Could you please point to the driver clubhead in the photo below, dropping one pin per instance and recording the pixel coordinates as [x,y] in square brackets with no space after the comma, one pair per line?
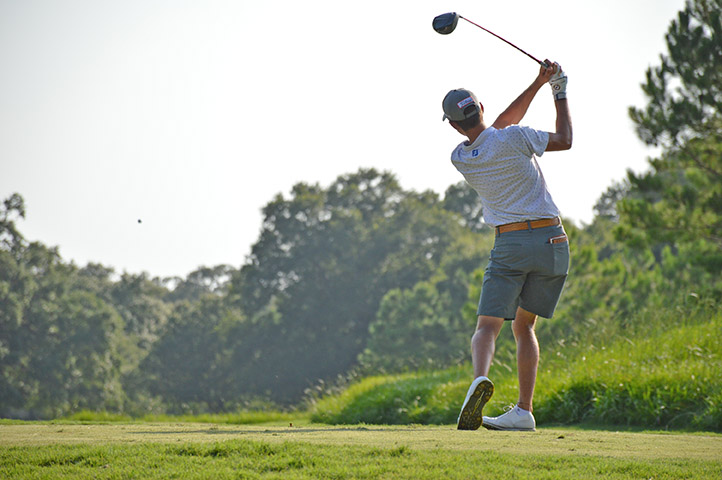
[446,23]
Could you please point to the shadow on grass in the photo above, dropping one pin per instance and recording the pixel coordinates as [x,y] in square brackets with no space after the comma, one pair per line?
[268,431]
[628,429]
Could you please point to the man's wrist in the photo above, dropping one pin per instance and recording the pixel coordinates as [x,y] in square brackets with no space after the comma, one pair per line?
[558,83]
[559,89]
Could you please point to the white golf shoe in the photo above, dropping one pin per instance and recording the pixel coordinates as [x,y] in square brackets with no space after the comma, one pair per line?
[514,419]
[479,393]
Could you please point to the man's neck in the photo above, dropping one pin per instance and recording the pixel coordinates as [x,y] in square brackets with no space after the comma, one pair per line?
[474,133]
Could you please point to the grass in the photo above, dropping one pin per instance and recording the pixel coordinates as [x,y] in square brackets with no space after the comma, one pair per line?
[662,379]
[662,373]
[424,398]
[648,377]
[670,378]
[237,418]
[44,450]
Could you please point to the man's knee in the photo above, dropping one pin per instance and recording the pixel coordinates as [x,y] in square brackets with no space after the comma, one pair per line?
[489,325]
[524,321]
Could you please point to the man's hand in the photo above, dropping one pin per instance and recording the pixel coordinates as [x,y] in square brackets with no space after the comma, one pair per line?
[558,82]
[545,73]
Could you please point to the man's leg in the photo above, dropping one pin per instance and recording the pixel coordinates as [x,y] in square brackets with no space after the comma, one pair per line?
[483,343]
[481,389]
[527,356]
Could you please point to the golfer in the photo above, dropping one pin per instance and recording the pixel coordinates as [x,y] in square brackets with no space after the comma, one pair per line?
[530,259]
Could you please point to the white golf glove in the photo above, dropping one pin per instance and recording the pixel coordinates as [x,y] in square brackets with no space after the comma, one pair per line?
[559,84]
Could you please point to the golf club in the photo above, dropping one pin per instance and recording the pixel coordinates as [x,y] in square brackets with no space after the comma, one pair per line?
[446,23]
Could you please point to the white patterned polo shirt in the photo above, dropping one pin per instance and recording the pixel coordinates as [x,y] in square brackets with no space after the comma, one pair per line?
[501,166]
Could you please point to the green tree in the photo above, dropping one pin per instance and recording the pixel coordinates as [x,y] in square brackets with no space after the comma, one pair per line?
[10,237]
[414,329]
[427,325]
[463,200]
[16,289]
[200,282]
[685,91]
[185,366]
[139,301]
[71,362]
[679,200]
[60,354]
[58,336]
[324,260]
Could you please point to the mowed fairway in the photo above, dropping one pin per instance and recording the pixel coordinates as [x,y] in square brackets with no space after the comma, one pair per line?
[191,450]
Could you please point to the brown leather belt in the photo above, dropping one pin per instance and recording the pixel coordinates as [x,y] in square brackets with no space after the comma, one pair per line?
[528,225]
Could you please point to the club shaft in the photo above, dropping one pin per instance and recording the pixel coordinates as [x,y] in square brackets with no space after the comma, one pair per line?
[507,41]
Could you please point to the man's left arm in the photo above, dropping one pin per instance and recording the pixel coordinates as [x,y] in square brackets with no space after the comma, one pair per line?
[518,108]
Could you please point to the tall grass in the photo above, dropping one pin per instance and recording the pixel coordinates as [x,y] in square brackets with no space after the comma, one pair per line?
[424,398]
[656,372]
[668,378]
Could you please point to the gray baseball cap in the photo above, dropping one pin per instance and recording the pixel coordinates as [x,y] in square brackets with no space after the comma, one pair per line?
[456,101]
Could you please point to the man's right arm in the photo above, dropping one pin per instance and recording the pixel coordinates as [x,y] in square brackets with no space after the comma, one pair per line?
[561,139]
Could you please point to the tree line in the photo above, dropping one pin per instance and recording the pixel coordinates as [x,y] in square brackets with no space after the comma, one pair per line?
[361,276]
[302,308]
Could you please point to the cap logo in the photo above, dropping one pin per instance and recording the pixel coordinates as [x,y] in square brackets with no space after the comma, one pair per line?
[465,102]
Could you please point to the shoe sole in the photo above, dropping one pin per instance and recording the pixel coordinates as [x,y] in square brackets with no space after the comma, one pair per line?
[471,417]
[490,426]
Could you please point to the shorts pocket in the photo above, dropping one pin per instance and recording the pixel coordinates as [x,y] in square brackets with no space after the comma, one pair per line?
[505,256]
[561,258]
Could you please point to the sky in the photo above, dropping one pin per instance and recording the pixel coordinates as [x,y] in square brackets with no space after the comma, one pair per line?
[190,116]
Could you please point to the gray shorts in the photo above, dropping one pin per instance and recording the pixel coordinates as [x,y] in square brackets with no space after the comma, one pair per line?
[525,270]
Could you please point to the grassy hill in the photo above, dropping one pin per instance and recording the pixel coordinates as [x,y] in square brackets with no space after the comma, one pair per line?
[664,372]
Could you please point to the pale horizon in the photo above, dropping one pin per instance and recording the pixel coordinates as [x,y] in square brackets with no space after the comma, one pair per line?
[191,117]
